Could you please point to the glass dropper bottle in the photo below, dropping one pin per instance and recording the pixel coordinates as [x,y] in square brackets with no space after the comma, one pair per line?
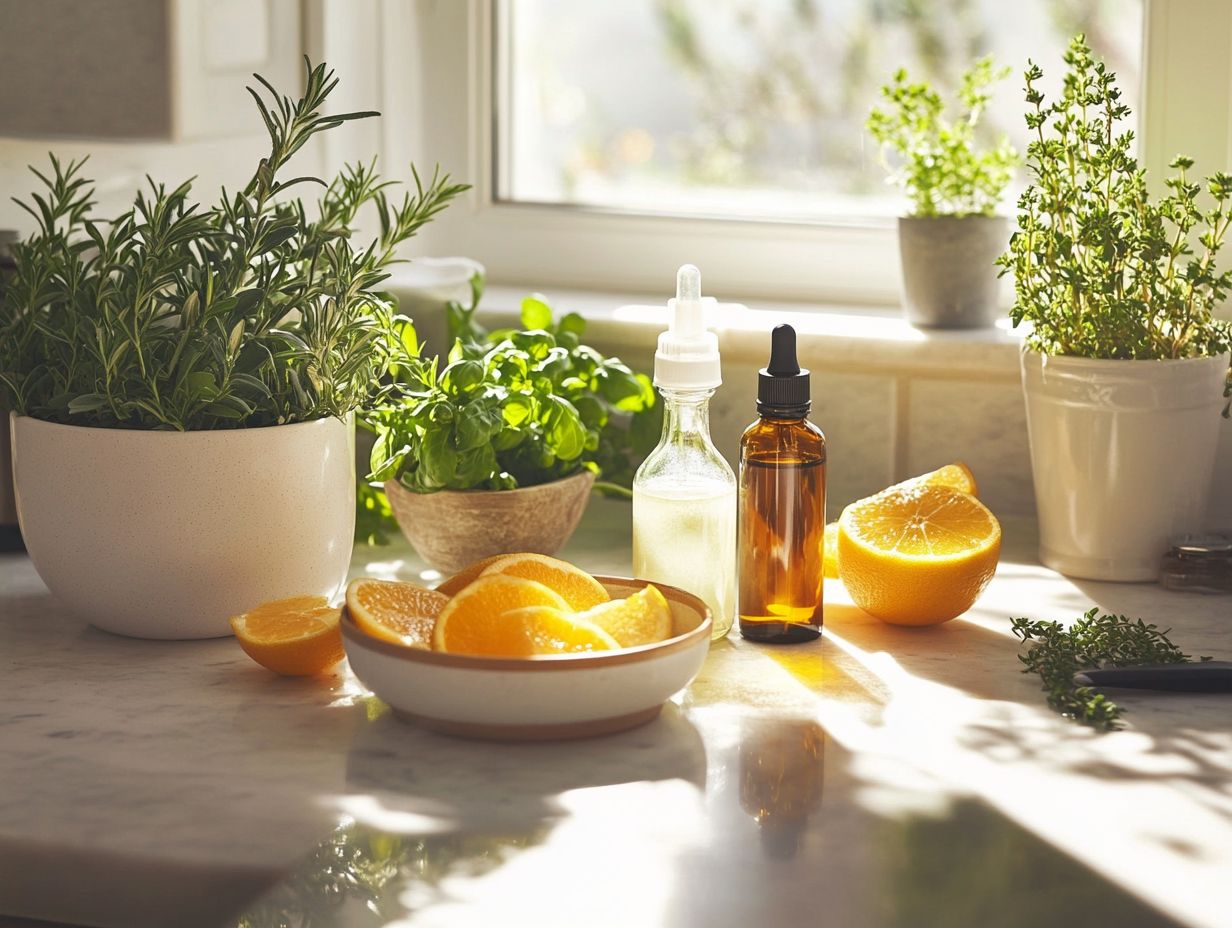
[782,505]
[684,494]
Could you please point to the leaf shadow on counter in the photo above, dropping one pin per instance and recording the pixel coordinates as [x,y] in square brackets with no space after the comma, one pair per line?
[419,808]
[967,681]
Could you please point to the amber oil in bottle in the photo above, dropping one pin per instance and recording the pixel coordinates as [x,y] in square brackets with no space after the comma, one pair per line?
[782,505]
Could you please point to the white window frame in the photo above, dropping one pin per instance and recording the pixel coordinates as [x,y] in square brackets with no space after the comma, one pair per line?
[434,65]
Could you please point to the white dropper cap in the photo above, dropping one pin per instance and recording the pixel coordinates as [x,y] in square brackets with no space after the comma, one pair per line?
[688,354]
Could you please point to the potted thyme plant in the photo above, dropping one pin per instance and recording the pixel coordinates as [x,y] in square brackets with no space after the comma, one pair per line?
[1124,361]
[498,450]
[182,380]
[950,240]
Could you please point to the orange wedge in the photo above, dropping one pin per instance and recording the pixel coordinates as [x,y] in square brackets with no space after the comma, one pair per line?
[546,630]
[957,475]
[454,585]
[578,588]
[473,621]
[392,610]
[917,555]
[298,636]
[643,618]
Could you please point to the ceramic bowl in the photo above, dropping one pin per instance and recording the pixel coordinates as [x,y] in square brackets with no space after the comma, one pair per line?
[453,529]
[537,698]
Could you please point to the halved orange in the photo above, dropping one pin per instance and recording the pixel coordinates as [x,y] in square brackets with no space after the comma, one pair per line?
[396,611]
[643,618]
[917,555]
[473,621]
[452,586]
[298,636]
[578,588]
[957,475]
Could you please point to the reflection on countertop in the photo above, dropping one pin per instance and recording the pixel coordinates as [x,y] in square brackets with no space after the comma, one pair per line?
[878,777]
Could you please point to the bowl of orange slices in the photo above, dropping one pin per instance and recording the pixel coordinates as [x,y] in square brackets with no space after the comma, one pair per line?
[524,647]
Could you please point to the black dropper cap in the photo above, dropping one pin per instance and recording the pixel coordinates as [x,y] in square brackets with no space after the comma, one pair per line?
[782,387]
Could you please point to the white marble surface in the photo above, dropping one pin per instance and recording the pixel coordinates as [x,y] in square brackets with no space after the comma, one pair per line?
[880,776]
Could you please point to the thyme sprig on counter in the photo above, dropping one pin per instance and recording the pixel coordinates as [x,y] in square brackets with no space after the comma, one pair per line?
[1091,642]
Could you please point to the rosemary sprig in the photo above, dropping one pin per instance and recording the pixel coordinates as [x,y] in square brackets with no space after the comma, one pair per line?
[254,311]
[1093,641]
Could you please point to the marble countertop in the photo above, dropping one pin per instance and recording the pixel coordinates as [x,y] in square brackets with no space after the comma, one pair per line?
[878,777]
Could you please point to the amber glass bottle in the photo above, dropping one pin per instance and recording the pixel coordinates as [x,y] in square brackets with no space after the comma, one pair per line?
[782,510]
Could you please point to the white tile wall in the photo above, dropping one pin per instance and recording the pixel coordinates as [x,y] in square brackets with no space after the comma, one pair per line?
[980,422]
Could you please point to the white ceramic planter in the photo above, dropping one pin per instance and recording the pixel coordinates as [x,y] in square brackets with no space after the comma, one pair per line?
[168,534]
[1122,454]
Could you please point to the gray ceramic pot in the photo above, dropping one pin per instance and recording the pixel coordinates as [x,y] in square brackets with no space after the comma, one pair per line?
[949,279]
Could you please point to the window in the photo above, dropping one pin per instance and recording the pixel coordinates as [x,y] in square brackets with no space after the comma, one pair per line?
[595,148]
[754,108]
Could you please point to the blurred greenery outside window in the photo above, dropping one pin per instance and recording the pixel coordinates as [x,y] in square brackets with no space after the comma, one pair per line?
[755,109]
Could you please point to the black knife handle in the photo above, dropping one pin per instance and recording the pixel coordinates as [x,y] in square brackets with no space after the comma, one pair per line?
[1199,677]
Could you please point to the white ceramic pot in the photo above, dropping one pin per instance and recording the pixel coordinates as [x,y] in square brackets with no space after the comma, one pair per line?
[1122,454]
[168,534]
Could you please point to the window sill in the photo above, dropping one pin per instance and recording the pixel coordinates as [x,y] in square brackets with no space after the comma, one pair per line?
[837,337]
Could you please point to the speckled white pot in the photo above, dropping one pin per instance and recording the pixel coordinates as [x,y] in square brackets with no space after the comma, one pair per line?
[168,534]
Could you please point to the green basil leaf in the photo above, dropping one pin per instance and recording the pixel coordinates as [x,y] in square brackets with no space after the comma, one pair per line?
[573,324]
[462,376]
[536,313]
[566,436]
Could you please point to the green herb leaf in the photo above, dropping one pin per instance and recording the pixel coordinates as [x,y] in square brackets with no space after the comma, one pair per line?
[536,313]
[1057,653]
[941,165]
[1101,268]
[515,408]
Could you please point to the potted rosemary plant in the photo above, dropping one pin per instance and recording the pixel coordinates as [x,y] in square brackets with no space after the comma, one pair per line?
[950,240]
[1124,361]
[498,450]
[183,380]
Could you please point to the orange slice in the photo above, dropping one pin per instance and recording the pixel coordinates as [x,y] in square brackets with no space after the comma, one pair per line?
[578,588]
[298,636]
[829,558]
[643,618]
[392,610]
[546,630]
[473,621]
[917,555]
[454,585]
